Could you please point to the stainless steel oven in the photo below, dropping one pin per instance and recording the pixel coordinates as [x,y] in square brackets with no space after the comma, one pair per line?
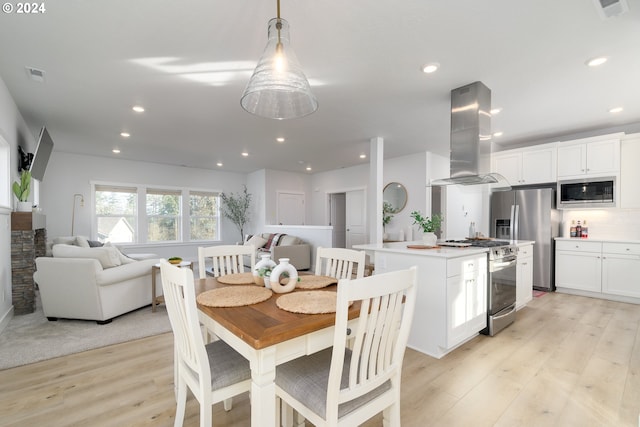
[501,309]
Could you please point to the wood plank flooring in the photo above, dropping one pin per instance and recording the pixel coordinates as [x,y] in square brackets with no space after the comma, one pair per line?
[567,361]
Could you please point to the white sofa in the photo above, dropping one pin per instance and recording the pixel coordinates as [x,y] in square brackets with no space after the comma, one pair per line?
[91,284]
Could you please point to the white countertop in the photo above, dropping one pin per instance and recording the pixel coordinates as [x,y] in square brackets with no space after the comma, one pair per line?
[440,252]
[599,240]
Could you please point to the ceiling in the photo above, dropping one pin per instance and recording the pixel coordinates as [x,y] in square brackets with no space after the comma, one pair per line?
[187,62]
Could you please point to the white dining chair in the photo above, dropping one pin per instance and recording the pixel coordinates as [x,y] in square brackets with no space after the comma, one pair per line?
[214,372]
[225,259]
[340,262]
[345,387]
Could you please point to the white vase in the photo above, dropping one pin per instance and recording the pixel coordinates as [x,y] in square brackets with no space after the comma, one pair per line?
[279,270]
[267,263]
[429,239]
[24,207]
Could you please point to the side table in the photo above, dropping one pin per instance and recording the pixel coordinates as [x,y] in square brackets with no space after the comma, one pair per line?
[155,300]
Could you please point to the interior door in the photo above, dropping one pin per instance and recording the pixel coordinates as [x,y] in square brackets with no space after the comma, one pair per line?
[338,219]
[355,218]
[290,209]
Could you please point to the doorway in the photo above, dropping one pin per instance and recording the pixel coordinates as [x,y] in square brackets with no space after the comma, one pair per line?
[347,215]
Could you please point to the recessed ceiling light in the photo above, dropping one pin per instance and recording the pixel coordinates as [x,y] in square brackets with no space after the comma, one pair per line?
[116,151]
[594,62]
[431,67]
[308,168]
[219,164]
[245,154]
[138,109]
[497,134]
[125,134]
[496,110]
[280,139]
[616,109]
[363,156]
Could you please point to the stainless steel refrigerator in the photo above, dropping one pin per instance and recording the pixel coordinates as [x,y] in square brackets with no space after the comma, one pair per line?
[529,214]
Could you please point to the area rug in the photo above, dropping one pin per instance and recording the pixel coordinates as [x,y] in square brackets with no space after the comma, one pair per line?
[538,294]
[32,338]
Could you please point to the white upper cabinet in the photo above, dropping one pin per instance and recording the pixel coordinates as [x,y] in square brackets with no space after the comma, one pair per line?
[531,165]
[630,173]
[589,157]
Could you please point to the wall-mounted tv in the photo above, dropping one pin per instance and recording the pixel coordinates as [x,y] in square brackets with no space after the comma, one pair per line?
[41,155]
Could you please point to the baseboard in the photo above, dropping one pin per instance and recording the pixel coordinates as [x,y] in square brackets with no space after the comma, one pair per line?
[6,318]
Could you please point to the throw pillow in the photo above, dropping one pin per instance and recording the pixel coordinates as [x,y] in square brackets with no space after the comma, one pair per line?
[82,242]
[108,257]
[70,240]
[256,241]
[288,240]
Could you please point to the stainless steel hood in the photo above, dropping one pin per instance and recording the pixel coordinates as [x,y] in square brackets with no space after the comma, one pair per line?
[471,139]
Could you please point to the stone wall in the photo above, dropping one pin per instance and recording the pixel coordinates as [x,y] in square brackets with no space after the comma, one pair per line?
[26,245]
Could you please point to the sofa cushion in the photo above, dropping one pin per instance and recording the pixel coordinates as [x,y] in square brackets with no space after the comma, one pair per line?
[108,256]
[82,241]
[67,240]
[257,241]
[288,240]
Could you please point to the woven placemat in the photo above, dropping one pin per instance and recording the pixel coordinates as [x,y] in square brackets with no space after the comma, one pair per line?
[236,279]
[315,282]
[234,296]
[308,302]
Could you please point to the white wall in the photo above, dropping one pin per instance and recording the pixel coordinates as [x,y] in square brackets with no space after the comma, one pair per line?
[279,181]
[68,174]
[14,132]
[336,181]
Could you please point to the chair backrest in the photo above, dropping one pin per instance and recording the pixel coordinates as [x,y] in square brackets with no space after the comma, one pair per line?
[379,337]
[225,259]
[339,262]
[179,295]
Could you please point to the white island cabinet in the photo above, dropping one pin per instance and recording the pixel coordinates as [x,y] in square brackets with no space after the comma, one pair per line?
[451,305]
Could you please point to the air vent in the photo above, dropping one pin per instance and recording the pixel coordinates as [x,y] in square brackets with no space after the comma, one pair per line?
[611,8]
[35,74]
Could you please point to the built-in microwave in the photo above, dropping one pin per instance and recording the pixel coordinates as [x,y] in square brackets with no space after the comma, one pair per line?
[587,193]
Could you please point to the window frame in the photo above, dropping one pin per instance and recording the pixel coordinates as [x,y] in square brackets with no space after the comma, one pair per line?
[184,218]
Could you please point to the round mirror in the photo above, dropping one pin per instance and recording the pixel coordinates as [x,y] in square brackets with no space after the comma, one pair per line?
[395,194]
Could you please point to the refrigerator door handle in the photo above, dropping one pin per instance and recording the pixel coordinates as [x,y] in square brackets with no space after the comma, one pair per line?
[512,222]
[516,222]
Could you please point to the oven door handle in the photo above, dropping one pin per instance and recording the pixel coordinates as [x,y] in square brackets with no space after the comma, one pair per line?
[503,263]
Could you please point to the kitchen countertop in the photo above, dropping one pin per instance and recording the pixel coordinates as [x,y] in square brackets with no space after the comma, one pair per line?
[439,252]
[598,240]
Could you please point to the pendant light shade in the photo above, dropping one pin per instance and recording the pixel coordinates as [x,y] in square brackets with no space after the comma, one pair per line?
[278,89]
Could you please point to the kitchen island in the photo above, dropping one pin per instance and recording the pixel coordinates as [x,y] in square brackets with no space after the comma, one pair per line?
[451,305]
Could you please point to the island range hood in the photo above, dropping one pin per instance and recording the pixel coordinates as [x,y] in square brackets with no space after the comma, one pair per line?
[471,139]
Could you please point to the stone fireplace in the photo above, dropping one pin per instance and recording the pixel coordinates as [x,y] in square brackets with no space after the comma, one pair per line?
[28,241]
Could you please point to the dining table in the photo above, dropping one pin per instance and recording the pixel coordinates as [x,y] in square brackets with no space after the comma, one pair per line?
[267,336]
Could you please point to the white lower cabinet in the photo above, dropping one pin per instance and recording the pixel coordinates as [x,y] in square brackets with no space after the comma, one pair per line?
[524,276]
[599,269]
[620,268]
[451,305]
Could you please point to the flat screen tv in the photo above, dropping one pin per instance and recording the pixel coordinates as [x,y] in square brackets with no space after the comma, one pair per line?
[41,155]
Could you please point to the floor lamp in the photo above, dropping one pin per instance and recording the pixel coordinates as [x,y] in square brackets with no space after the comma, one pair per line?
[73,211]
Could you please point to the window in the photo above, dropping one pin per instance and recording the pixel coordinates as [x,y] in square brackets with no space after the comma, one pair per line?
[165,214]
[116,213]
[204,216]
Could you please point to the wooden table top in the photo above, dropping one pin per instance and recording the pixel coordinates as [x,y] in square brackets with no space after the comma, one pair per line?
[264,324]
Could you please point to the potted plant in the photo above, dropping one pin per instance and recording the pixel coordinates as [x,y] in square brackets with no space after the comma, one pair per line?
[21,190]
[429,226]
[236,208]
[387,214]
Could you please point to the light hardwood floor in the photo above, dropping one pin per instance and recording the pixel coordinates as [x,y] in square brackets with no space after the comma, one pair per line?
[567,361]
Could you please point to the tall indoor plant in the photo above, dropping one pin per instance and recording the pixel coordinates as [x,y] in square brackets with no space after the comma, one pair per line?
[22,189]
[235,207]
[428,226]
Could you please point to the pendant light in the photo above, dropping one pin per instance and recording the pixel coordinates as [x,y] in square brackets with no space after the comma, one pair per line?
[278,89]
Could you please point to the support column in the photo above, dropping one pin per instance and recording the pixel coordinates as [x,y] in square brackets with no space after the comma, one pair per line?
[376,171]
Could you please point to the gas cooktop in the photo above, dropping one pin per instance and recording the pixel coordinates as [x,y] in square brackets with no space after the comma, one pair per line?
[481,243]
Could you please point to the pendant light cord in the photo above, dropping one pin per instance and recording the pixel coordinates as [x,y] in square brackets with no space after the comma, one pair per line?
[278,27]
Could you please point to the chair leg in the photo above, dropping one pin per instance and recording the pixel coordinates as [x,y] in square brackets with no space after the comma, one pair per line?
[228,404]
[391,416]
[181,399]
[206,417]
[286,412]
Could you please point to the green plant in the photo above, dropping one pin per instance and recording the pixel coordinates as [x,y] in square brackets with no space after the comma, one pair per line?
[387,213]
[23,188]
[235,207]
[427,225]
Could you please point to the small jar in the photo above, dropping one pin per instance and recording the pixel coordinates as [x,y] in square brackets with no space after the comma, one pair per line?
[267,263]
